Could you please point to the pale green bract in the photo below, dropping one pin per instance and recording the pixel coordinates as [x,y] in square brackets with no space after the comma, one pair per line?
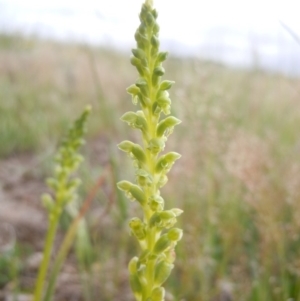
[155,233]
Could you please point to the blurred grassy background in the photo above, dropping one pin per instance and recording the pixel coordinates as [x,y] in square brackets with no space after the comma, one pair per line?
[238,180]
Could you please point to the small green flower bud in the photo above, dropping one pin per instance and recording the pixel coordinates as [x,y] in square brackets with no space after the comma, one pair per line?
[149,3]
[138,194]
[177,211]
[52,183]
[141,82]
[77,143]
[154,13]
[163,179]
[57,168]
[144,179]
[133,149]
[142,28]
[175,234]
[73,184]
[138,64]
[166,126]
[143,85]
[133,89]
[141,273]
[141,39]
[162,244]
[164,102]
[135,61]
[163,219]
[158,294]
[162,56]
[166,161]
[168,219]
[162,272]
[166,85]
[132,266]
[132,191]
[138,153]
[144,11]
[156,29]
[150,19]
[126,146]
[156,203]
[137,228]
[135,285]
[159,71]
[124,185]
[154,52]
[48,202]
[167,214]
[156,145]
[135,120]
[155,42]
[138,53]
[155,220]
[145,63]
[76,161]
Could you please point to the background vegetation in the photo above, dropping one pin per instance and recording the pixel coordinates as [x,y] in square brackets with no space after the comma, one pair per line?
[238,180]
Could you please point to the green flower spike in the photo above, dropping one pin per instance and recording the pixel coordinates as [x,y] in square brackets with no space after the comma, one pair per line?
[64,190]
[155,233]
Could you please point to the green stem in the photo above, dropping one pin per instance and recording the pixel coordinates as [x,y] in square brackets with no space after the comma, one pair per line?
[46,258]
[60,258]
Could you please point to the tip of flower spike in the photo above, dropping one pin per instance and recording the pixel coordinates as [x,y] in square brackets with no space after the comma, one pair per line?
[88,108]
[149,2]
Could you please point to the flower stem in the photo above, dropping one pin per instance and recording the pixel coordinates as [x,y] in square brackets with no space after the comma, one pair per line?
[46,259]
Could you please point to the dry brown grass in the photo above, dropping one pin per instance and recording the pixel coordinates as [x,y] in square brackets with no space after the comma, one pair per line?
[238,179]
